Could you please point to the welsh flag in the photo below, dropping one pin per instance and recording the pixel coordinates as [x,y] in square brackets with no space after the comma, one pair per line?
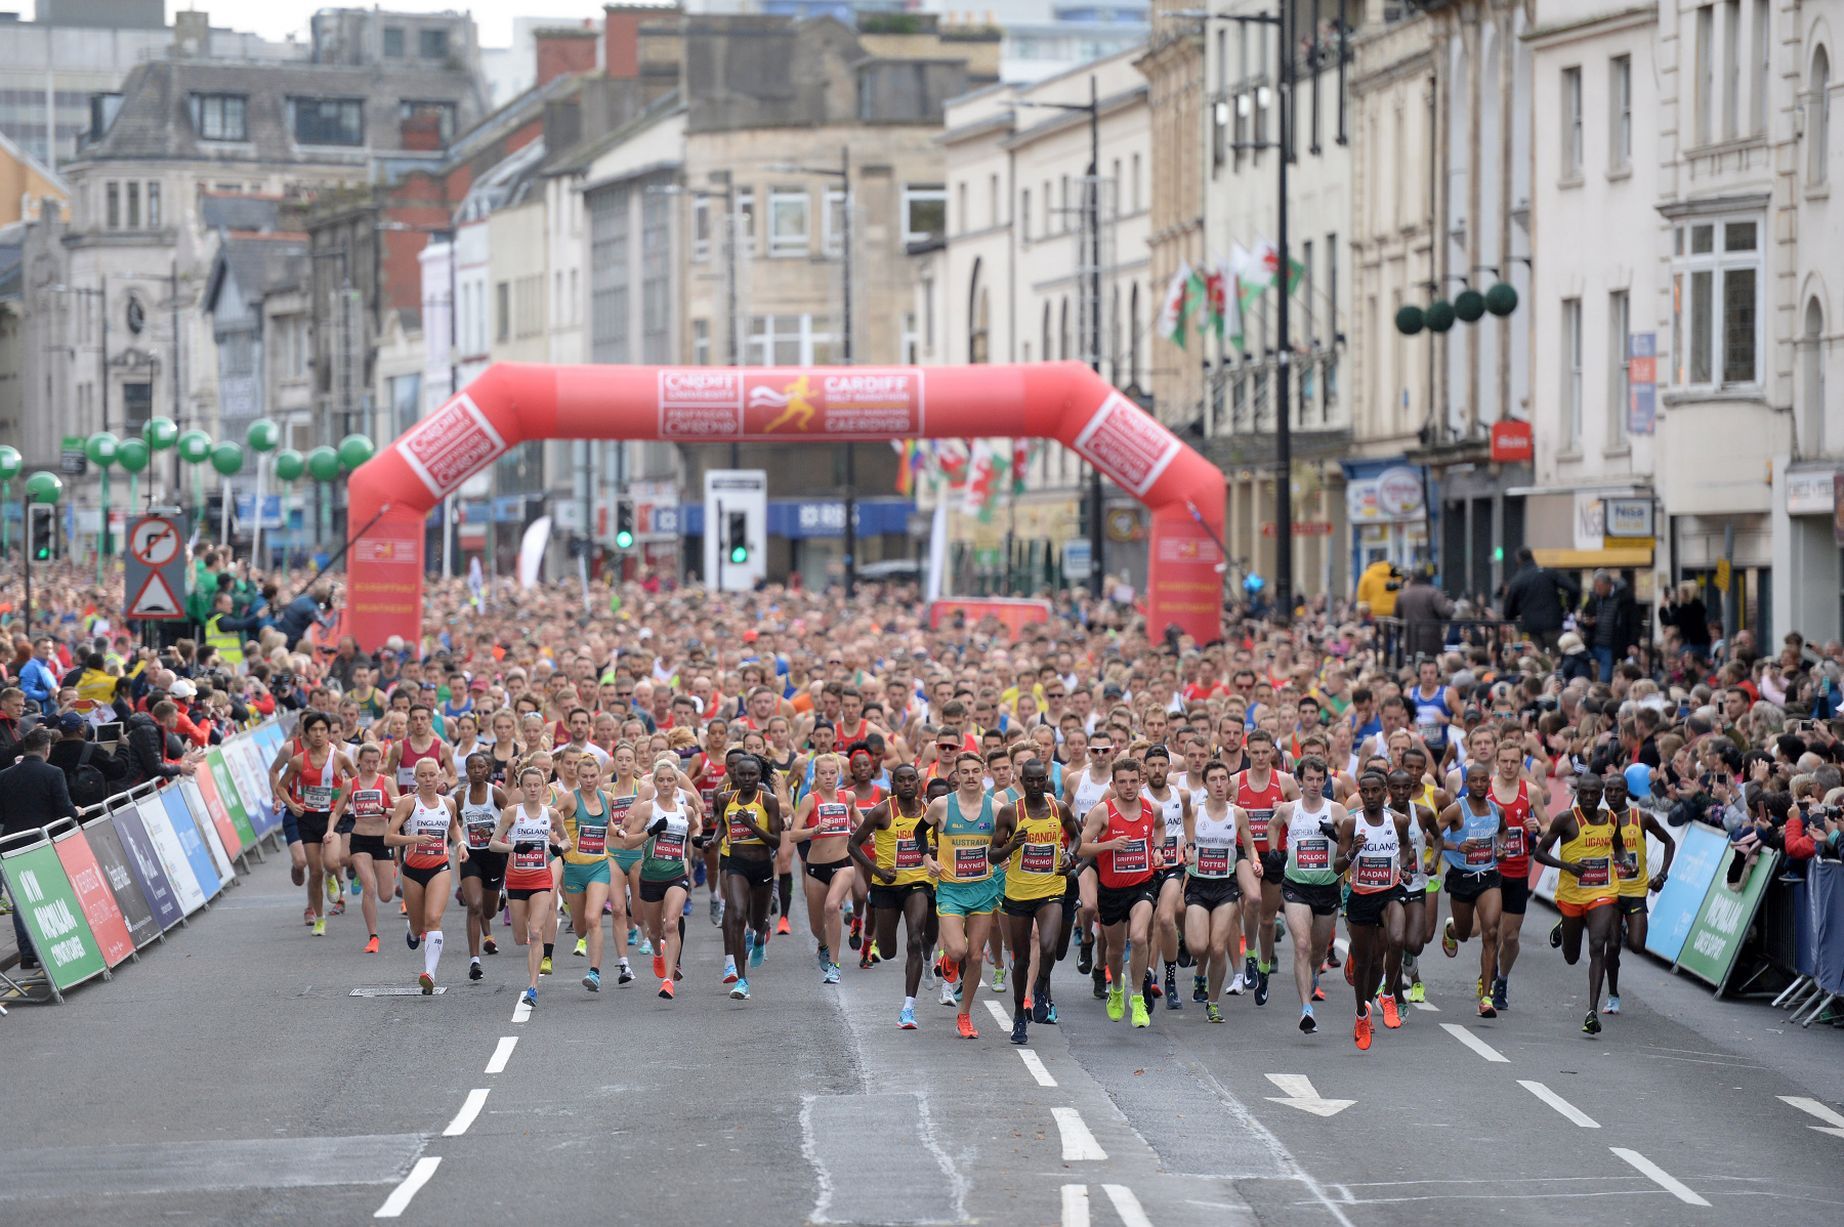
[1177,306]
[985,476]
[1197,290]
[951,459]
[1268,267]
[1021,460]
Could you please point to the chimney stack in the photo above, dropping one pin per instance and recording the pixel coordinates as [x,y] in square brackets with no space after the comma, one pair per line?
[563,51]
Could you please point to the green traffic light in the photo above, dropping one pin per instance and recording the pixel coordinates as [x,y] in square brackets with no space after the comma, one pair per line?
[739,553]
[42,554]
[624,540]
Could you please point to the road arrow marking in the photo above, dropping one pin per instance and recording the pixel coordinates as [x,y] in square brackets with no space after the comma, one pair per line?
[1298,1092]
[1812,1107]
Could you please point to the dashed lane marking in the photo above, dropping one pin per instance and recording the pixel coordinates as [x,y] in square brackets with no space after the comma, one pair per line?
[1075,1205]
[476,1100]
[1475,1043]
[1078,1143]
[521,1011]
[399,1200]
[502,1054]
[1126,1205]
[1568,1110]
[1659,1176]
[1035,1064]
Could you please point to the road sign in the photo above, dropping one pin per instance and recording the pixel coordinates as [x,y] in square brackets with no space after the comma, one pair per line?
[154,568]
[1077,560]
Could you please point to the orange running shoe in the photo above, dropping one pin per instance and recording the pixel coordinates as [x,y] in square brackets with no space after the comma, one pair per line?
[1350,972]
[1392,1017]
[371,947]
[665,988]
[782,928]
[403,909]
[950,970]
[659,966]
[964,1024]
[1361,1032]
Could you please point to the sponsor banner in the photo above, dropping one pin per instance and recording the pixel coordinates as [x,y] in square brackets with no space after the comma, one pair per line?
[137,913]
[172,854]
[1825,914]
[1701,855]
[54,920]
[1715,937]
[148,869]
[1126,443]
[451,445]
[220,794]
[1013,615]
[1183,586]
[700,403]
[91,889]
[194,802]
[791,403]
[191,842]
[229,836]
[252,767]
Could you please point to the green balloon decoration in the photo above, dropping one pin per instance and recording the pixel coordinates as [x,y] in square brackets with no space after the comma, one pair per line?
[1440,315]
[101,448]
[133,455]
[354,450]
[1409,320]
[263,436]
[1501,299]
[10,462]
[227,458]
[289,465]
[160,433]
[195,447]
[1469,305]
[43,487]
[323,464]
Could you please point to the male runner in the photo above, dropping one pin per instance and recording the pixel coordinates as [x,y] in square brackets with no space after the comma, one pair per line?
[1174,807]
[1033,835]
[899,880]
[966,892]
[1471,830]
[1308,825]
[1587,891]
[1122,834]
[1630,873]
[1374,847]
[1260,790]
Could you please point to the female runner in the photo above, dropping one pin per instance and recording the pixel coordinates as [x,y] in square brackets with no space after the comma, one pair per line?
[484,872]
[587,817]
[374,800]
[426,824]
[662,827]
[825,820]
[523,831]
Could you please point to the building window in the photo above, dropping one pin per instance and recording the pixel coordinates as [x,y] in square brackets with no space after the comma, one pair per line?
[992,195]
[791,340]
[1620,112]
[1715,297]
[701,228]
[1619,326]
[1818,118]
[432,44]
[153,206]
[393,42]
[1571,123]
[502,317]
[113,194]
[789,223]
[220,117]
[1706,70]
[1024,215]
[134,205]
[444,113]
[1731,68]
[832,224]
[925,214]
[328,121]
[1571,370]
[701,343]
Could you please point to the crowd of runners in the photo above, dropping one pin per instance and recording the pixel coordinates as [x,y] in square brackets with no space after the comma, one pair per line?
[974,810]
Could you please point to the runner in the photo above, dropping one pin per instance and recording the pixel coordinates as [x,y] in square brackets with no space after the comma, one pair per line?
[421,743]
[373,800]
[1084,785]
[1174,807]
[524,830]
[1259,791]
[1374,846]
[749,818]
[966,892]
[1124,836]
[587,816]
[1630,871]
[426,825]
[1033,836]
[1420,898]
[709,774]
[1216,834]
[1471,830]
[311,790]
[1587,893]
[863,758]
[663,826]
[624,888]
[825,820]
[1308,827]
[483,873]
[899,878]
[1511,793]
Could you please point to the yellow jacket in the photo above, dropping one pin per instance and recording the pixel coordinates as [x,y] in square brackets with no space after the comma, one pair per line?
[1377,586]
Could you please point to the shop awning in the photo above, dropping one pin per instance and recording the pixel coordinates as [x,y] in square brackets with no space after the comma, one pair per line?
[1586,560]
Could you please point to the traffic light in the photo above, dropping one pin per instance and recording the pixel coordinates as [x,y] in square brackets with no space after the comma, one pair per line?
[624,524]
[42,529]
[738,537]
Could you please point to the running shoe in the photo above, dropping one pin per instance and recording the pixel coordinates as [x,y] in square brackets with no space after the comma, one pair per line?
[332,885]
[410,938]
[1360,1031]
[1213,1012]
[403,909]
[1261,988]
[960,991]
[782,928]
[633,936]
[1019,1028]
[659,967]
[307,915]
[1392,1013]
[1184,952]
[717,910]
[1591,1025]
[1613,1004]
[474,971]
[950,970]
[1100,977]
[1331,955]
[665,988]
[1117,1004]
[963,1023]
[740,991]
[1247,974]
[1141,1017]
[1171,991]
[544,965]
[582,947]
[1149,989]
[1500,997]
[1040,1009]
[1555,936]
[320,926]
[856,938]
[357,889]
[529,996]
[865,958]
[1308,1024]
[371,947]
[832,974]
[825,956]
[643,946]
[489,946]
[299,874]
[1418,993]
[906,1019]
[338,908]
[1085,958]
[1318,993]
[687,909]
[947,993]
[1049,1018]
[1350,971]
[1450,945]
[1486,1008]
[1236,985]
[624,976]
[729,970]
[592,980]
[1200,988]
[998,979]
[759,951]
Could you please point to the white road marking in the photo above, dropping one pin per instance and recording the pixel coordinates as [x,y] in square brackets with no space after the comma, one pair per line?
[1659,1176]
[521,1011]
[476,1100]
[1475,1043]
[1297,1092]
[1075,1205]
[1429,1006]
[1126,1205]
[399,1200]
[1078,1142]
[1561,1105]
[1035,1064]
[502,1054]
[998,1014]
[1813,1107]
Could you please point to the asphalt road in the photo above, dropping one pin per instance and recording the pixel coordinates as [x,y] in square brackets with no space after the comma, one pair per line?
[231,1077]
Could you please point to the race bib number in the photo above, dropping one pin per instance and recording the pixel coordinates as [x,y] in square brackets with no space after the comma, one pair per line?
[1213,862]
[710,798]
[1313,854]
[368,803]
[1477,853]
[479,832]
[431,846]
[1593,872]
[534,859]
[1374,870]
[741,831]
[908,856]
[1131,857]
[669,846]
[1258,824]
[1627,866]
[969,863]
[317,797]
[592,840]
[1037,858]
[1514,843]
[1171,849]
[621,805]
[834,820]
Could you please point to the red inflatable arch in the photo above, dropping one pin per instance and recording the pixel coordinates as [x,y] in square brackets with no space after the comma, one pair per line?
[391,495]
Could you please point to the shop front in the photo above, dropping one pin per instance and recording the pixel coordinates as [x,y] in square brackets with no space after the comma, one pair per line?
[1808,538]
[1390,514]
